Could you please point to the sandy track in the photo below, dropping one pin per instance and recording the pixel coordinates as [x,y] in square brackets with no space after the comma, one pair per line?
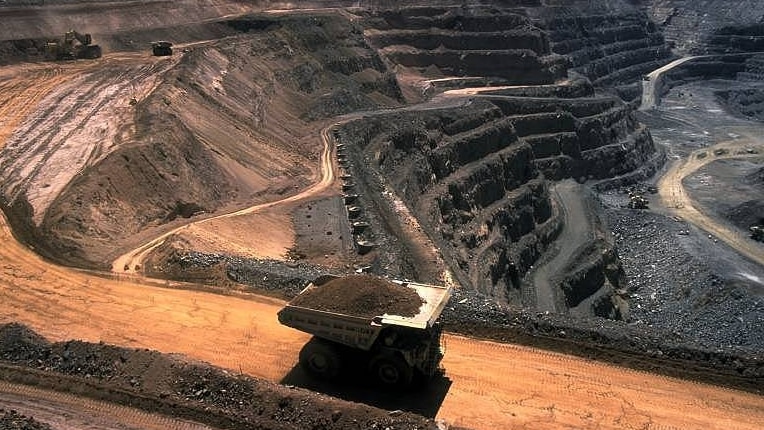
[674,196]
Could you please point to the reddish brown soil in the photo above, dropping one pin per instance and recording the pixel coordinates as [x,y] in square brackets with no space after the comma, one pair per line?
[362,295]
[195,391]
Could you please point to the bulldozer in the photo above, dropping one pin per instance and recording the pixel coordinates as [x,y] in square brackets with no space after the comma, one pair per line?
[757,232]
[73,45]
[161,48]
[637,201]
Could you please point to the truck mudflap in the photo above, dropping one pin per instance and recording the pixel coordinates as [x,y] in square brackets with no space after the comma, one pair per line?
[427,358]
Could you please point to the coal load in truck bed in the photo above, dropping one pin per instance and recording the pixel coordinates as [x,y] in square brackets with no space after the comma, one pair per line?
[362,295]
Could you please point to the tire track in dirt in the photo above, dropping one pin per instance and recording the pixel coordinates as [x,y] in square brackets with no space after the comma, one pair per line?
[67,411]
[22,92]
[91,92]
[531,388]
[47,134]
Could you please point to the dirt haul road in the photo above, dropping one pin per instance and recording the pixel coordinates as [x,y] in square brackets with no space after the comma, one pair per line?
[493,385]
[675,197]
[133,260]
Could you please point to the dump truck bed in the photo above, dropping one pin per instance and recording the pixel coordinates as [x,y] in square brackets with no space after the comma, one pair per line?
[361,330]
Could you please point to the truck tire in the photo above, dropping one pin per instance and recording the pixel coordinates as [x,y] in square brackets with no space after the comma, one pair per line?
[391,371]
[321,359]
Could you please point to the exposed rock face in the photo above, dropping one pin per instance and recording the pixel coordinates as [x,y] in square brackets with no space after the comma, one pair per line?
[709,26]
[613,50]
[476,177]
[747,99]
[472,176]
[467,41]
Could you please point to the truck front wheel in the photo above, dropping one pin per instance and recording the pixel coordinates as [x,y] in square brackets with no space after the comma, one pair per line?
[321,359]
[391,371]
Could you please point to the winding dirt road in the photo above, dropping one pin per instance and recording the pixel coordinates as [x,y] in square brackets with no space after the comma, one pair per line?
[675,197]
[652,84]
[576,230]
[133,260]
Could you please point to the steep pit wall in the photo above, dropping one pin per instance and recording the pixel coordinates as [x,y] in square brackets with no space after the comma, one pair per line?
[743,70]
[709,26]
[734,38]
[473,180]
[747,98]
[747,103]
[470,183]
[592,138]
[465,41]
[613,50]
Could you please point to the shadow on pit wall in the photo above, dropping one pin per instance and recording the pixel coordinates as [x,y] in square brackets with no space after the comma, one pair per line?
[355,385]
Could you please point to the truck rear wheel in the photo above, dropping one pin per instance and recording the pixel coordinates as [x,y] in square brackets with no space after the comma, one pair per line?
[321,359]
[391,371]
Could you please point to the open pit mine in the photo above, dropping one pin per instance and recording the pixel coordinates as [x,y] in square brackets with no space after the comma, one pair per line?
[220,214]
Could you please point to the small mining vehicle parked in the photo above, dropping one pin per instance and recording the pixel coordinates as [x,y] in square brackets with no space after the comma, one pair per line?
[393,348]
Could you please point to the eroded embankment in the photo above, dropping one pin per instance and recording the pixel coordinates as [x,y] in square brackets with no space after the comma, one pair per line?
[475,41]
[233,123]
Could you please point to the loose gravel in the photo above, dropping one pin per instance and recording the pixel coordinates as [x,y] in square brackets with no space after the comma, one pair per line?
[12,420]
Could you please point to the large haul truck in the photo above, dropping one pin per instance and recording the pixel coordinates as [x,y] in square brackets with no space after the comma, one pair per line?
[351,326]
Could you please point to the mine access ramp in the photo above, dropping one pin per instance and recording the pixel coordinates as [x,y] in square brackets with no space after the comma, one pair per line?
[388,327]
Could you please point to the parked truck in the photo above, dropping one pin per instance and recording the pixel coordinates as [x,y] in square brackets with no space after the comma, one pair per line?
[393,348]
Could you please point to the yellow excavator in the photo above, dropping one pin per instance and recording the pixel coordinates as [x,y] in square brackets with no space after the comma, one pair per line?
[73,45]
